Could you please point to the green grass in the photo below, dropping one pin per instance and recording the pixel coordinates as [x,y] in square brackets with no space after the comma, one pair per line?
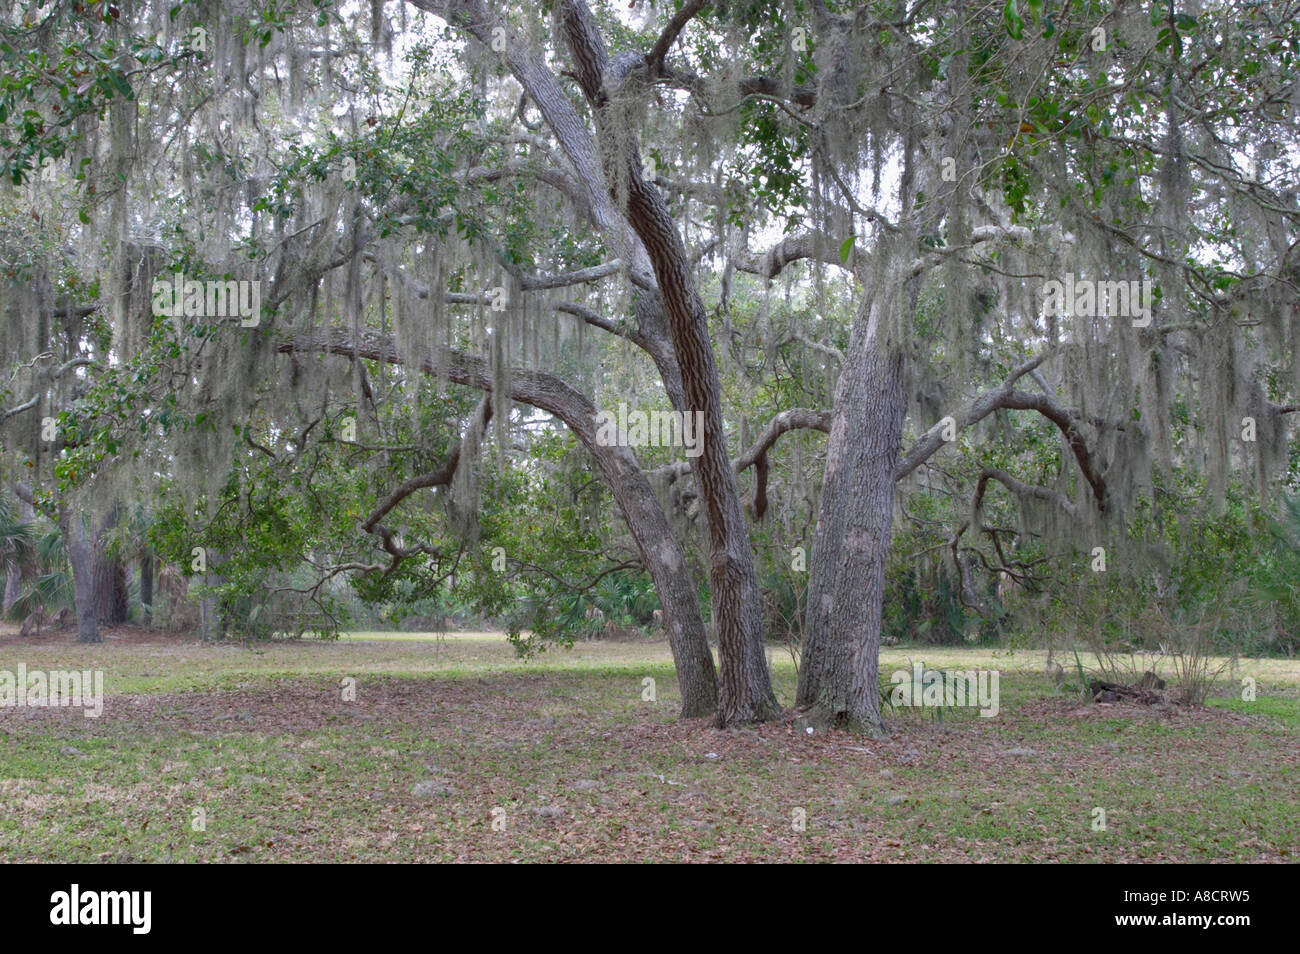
[283,769]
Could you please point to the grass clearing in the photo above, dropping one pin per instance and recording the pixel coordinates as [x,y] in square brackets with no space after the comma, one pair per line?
[448,736]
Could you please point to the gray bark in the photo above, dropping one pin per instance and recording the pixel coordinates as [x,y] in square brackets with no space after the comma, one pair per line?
[80,556]
[838,676]
[146,587]
[12,580]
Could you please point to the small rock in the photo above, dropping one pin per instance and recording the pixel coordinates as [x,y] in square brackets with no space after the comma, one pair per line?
[427,789]
[710,755]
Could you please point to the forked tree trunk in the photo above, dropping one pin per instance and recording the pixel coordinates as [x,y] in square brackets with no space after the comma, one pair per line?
[592,193]
[838,675]
[746,690]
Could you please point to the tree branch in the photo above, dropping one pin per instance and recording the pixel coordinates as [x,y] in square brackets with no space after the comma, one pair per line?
[654,60]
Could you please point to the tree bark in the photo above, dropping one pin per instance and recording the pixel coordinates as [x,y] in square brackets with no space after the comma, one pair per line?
[12,580]
[597,204]
[108,574]
[838,676]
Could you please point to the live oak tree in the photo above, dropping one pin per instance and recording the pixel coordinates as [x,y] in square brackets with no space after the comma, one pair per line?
[1104,143]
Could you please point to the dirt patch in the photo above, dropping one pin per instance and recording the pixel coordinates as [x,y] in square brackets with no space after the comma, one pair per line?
[1176,716]
[127,635]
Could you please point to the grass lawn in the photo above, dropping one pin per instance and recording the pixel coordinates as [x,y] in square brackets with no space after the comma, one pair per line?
[454,750]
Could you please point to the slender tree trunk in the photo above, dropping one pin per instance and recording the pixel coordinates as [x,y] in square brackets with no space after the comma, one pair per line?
[838,675]
[746,690]
[146,587]
[80,556]
[212,617]
[674,583]
[12,580]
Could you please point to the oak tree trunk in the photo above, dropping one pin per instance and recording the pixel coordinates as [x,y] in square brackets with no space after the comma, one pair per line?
[838,676]
[81,558]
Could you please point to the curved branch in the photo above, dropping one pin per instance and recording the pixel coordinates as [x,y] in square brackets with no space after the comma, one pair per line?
[808,245]
[981,408]
[654,60]
[1020,489]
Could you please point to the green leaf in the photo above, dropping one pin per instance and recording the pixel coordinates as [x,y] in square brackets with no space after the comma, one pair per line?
[1015,23]
[846,248]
